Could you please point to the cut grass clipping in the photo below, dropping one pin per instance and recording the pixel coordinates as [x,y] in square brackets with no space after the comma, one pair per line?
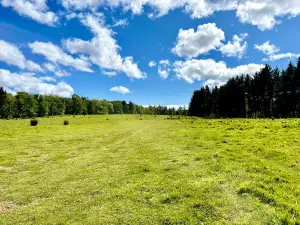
[34,122]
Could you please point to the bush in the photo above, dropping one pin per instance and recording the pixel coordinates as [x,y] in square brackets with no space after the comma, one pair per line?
[66,122]
[34,122]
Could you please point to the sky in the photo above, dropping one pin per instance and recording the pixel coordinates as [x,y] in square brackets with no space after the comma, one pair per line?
[152,52]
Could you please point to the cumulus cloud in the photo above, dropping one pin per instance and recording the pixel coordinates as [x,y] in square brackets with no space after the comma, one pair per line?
[56,70]
[270,50]
[197,9]
[203,8]
[57,56]
[103,49]
[35,9]
[211,71]
[264,14]
[267,48]
[81,5]
[164,69]
[152,64]
[133,5]
[283,56]
[71,15]
[32,84]
[191,43]
[121,90]
[235,48]
[11,55]
[214,83]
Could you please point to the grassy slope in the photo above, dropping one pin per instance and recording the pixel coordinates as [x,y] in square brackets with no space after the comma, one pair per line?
[152,171]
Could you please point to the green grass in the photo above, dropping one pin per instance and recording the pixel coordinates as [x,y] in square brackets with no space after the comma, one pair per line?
[147,170]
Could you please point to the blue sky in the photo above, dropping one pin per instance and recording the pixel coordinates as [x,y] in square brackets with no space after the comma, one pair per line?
[102,49]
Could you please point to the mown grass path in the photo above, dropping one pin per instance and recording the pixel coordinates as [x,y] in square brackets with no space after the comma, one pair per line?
[125,170]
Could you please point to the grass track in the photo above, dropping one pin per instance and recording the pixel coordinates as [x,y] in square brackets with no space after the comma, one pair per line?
[151,171]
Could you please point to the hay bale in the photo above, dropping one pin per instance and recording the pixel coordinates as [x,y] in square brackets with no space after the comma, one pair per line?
[34,122]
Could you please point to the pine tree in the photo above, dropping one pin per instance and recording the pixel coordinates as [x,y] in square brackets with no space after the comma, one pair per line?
[287,91]
[297,88]
[277,92]
[3,98]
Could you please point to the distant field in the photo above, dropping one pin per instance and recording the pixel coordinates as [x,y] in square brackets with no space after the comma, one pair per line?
[148,170]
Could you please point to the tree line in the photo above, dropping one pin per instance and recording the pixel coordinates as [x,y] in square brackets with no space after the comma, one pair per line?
[25,105]
[270,93]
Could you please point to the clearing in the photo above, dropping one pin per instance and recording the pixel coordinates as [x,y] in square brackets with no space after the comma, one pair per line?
[149,170]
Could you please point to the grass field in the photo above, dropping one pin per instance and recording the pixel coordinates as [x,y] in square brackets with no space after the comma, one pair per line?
[148,170]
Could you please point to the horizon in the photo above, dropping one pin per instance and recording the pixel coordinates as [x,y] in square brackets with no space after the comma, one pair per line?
[147,52]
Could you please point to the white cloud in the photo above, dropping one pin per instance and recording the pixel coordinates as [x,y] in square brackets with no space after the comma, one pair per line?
[261,13]
[162,8]
[29,65]
[211,71]
[81,5]
[265,13]
[163,73]
[267,48]
[270,50]
[131,69]
[152,64]
[55,55]
[48,79]
[235,48]
[56,70]
[103,49]
[133,5]
[197,8]
[11,55]
[165,62]
[121,23]
[71,15]
[191,43]
[283,56]
[121,90]
[31,84]
[35,9]
[213,83]
[164,69]
[110,73]
[203,8]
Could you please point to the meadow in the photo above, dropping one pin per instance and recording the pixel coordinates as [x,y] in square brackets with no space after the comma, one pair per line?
[134,169]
